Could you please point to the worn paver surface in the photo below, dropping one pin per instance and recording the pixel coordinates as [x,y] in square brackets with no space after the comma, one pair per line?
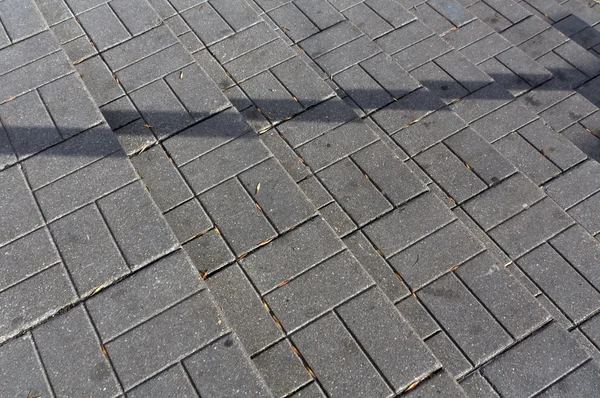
[299,198]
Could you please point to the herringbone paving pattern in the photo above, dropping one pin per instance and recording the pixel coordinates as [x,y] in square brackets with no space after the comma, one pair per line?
[299,198]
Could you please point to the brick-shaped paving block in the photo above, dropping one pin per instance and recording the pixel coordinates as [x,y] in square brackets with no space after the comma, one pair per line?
[386,337]
[285,155]
[439,82]
[338,219]
[390,75]
[21,306]
[207,23]
[143,295]
[120,113]
[242,42]
[435,255]
[21,19]
[70,351]
[281,368]
[482,102]
[476,386]
[99,80]
[243,308]
[531,227]
[137,15]
[363,89]
[242,223]
[441,384]
[315,191]
[580,250]
[408,224]
[291,254]
[259,60]
[465,320]
[421,53]
[504,76]
[515,372]
[22,373]
[518,311]
[209,252]
[88,249]
[581,381]
[174,380]
[19,213]
[330,39]
[334,356]
[418,317]
[135,221]
[567,112]
[295,24]
[452,360]
[106,34]
[188,220]
[224,368]
[575,185]
[176,332]
[586,215]
[318,290]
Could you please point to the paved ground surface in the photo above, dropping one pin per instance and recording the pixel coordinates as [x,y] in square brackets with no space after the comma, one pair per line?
[307,198]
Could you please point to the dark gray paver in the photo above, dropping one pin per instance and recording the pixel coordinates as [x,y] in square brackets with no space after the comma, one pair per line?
[209,252]
[236,215]
[338,219]
[281,368]
[452,360]
[418,317]
[338,362]
[278,196]
[440,385]
[575,185]
[141,232]
[207,23]
[259,60]
[253,324]
[82,361]
[171,381]
[404,226]
[476,386]
[315,191]
[223,369]
[515,372]
[318,290]
[581,251]
[106,34]
[467,322]
[88,249]
[22,371]
[178,331]
[143,295]
[387,337]
[586,215]
[518,311]
[582,381]
[435,255]
[285,155]
[188,220]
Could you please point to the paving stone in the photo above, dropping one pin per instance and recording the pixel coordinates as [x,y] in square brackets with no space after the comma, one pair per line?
[181,5]
[203,137]
[440,385]
[476,386]
[575,185]
[244,310]
[268,5]
[235,214]
[99,80]
[26,138]
[505,77]
[271,97]
[485,48]
[526,158]
[354,192]
[53,11]
[166,186]
[257,121]
[120,113]
[22,372]
[330,39]
[513,372]
[452,360]
[347,55]
[580,382]
[207,23]
[450,173]
[321,13]
[363,89]
[212,67]
[585,214]
[188,220]
[585,143]
[559,317]
[242,42]
[209,252]
[315,192]
[107,34]
[468,34]
[435,255]
[21,19]
[137,225]
[316,121]
[88,250]
[82,361]
[174,333]
[518,311]
[562,69]
[439,82]
[418,317]
[563,285]
[524,67]
[285,155]
[137,16]
[293,22]
[390,75]
[482,102]
[587,38]
[367,21]
[590,329]
[421,52]
[247,151]
[302,82]
[524,30]
[391,11]
[21,304]
[259,60]
[466,321]
[80,49]
[67,30]
[70,106]
[135,137]
[336,144]
[485,161]
[404,37]
[191,42]
[171,381]
[238,14]
[238,98]
[177,25]
[338,219]
[556,147]
[335,356]
[543,43]
[580,58]
[19,212]
[406,225]
[282,369]
[568,112]
[432,18]
[469,76]
[578,247]
[291,254]
[530,228]
[27,256]
[546,95]
[279,197]
[223,368]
